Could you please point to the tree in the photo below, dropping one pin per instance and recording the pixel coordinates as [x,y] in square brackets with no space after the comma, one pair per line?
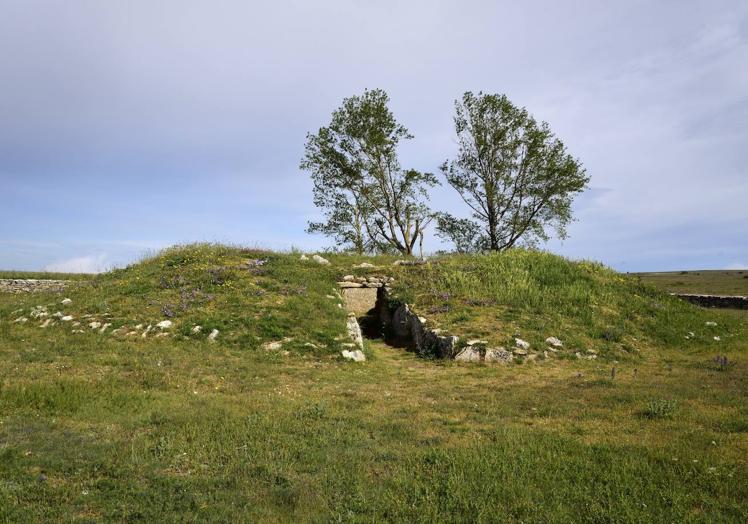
[513,173]
[369,202]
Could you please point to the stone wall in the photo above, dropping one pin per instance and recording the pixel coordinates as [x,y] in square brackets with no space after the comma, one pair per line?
[21,285]
[721,301]
[403,327]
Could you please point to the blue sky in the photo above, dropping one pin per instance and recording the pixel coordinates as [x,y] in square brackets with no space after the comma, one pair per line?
[129,126]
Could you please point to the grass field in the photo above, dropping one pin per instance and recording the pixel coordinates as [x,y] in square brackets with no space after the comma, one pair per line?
[714,282]
[44,275]
[99,427]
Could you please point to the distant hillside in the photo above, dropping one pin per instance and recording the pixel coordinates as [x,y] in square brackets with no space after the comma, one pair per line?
[710,282]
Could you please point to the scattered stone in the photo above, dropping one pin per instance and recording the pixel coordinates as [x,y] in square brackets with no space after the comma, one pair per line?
[554,342]
[131,333]
[147,330]
[46,323]
[104,328]
[408,262]
[522,344]
[476,342]
[333,297]
[348,285]
[165,324]
[592,351]
[159,335]
[349,278]
[321,260]
[469,354]
[58,314]
[67,318]
[710,323]
[310,345]
[76,324]
[531,357]
[303,257]
[717,339]
[272,346]
[499,354]
[139,326]
[354,331]
[197,329]
[66,301]
[585,357]
[356,356]
[38,312]
[95,325]
[519,351]
[364,265]
[77,331]
[213,335]
[21,320]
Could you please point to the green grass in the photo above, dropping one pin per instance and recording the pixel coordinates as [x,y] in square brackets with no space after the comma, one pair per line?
[536,295]
[715,282]
[44,275]
[98,428]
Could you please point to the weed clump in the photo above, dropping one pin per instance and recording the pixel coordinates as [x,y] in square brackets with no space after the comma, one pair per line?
[660,408]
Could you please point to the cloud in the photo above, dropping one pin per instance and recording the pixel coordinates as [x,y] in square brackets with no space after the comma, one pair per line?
[86,264]
[736,266]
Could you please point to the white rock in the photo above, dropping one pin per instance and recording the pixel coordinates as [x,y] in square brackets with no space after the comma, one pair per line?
[520,352]
[66,301]
[147,330]
[165,324]
[139,326]
[58,314]
[320,260]
[468,355]
[553,341]
[356,356]
[518,342]
[21,320]
[349,278]
[213,335]
[104,327]
[67,318]
[46,323]
[710,323]
[76,324]
[38,312]
[717,339]
[476,342]
[196,329]
[272,346]
[159,335]
[347,285]
[365,265]
[303,257]
[498,355]
[354,331]
[95,325]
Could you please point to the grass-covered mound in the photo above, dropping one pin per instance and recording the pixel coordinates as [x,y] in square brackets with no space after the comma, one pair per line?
[536,295]
[97,427]
[250,296]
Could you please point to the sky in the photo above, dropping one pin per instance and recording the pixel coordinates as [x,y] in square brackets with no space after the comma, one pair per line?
[126,127]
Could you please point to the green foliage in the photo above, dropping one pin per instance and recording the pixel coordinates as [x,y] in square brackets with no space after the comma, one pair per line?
[660,408]
[589,306]
[513,173]
[370,203]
